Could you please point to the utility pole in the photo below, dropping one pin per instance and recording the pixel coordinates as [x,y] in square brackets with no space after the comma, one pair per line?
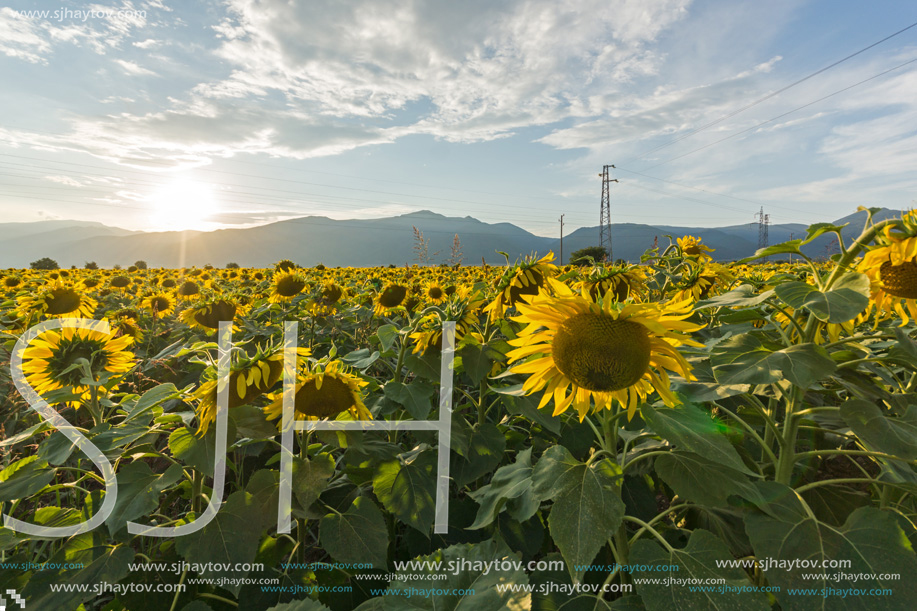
[561,239]
[792,235]
[605,212]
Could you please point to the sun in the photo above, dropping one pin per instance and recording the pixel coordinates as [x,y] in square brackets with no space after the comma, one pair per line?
[183,204]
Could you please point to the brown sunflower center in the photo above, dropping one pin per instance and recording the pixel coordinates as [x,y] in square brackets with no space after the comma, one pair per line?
[290,286]
[211,317]
[62,301]
[119,282]
[435,292]
[159,304]
[602,354]
[331,294]
[392,296]
[899,280]
[328,401]
[188,288]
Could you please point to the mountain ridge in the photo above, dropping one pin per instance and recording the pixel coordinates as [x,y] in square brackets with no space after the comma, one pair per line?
[311,240]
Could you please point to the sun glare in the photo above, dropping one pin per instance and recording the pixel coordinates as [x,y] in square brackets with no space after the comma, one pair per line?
[182,204]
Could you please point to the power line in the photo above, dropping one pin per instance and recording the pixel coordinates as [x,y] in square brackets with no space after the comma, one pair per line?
[771,95]
[780,116]
[672,182]
[693,199]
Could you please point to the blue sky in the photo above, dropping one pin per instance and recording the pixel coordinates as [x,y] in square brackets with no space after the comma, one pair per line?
[157,115]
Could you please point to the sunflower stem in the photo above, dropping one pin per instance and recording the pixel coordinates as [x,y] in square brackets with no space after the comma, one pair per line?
[179,590]
[610,430]
[197,484]
[787,459]
[94,405]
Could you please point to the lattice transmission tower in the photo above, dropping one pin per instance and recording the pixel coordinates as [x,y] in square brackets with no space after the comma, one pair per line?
[605,213]
[764,221]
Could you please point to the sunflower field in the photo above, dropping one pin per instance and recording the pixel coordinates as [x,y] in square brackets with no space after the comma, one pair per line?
[670,434]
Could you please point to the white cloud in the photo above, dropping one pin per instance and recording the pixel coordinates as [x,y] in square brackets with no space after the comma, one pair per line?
[21,37]
[65,180]
[134,69]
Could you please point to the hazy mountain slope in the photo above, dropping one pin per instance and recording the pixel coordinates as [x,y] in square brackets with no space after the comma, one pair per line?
[312,240]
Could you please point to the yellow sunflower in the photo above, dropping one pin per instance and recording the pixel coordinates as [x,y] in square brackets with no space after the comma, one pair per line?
[249,378]
[623,282]
[434,293]
[57,300]
[602,351]
[206,315]
[463,309]
[286,286]
[701,281]
[691,247]
[160,305]
[188,288]
[48,359]
[523,279]
[11,282]
[389,298]
[891,266]
[323,392]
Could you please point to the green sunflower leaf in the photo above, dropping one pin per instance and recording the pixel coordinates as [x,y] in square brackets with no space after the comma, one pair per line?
[138,492]
[785,530]
[358,535]
[693,429]
[880,431]
[587,507]
[408,489]
[468,568]
[744,359]
[697,560]
[227,540]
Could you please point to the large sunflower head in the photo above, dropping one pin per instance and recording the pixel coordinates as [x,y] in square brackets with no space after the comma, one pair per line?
[48,361]
[522,280]
[249,378]
[580,351]
[286,286]
[58,300]
[323,392]
[207,314]
[891,265]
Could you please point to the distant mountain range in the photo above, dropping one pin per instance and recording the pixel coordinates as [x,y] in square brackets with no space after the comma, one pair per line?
[316,239]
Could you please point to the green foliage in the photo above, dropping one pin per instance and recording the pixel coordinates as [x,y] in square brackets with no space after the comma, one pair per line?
[582,256]
[44,263]
[794,438]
